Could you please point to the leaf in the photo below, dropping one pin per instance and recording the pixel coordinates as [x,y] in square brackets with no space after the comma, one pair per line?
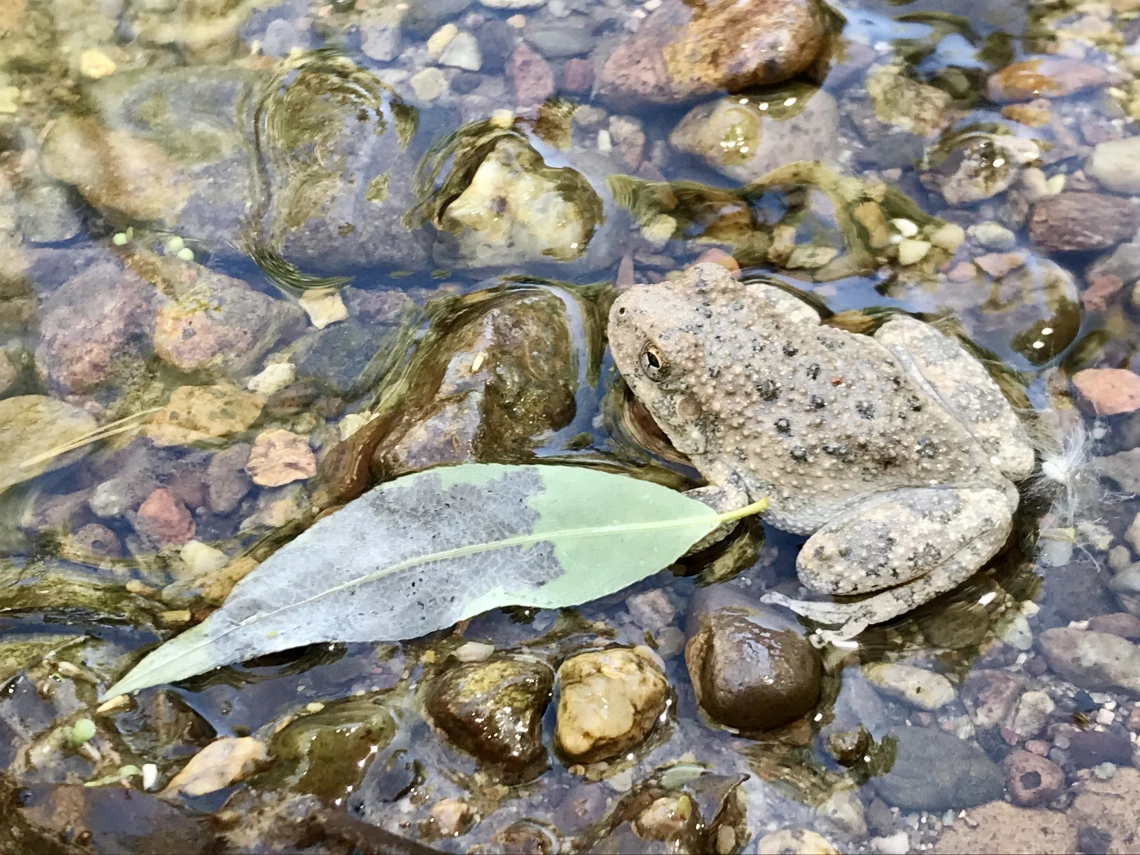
[425,551]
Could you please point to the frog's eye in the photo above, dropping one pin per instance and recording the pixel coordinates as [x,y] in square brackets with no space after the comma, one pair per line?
[653,364]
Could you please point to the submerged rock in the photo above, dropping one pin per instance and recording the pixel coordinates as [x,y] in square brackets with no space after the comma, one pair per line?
[494,709]
[1077,222]
[1047,77]
[223,157]
[609,701]
[938,771]
[95,330]
[31,425]
[968,167]
[1092,660]
[683,51]
[1001,827]
[751,667]
[745,137]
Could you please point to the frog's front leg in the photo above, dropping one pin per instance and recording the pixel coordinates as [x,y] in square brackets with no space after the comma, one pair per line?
[727,493]
[903,547]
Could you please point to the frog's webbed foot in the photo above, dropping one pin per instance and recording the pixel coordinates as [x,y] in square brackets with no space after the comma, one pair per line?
[901,549]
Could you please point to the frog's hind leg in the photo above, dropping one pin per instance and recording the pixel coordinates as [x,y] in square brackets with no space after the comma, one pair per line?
[953,377]
[903,548]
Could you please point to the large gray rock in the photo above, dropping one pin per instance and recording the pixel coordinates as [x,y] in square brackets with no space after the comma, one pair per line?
[1092,660]
[938,771]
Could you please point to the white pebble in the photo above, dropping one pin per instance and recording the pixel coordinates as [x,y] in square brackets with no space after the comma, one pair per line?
[906,228]
[273,378]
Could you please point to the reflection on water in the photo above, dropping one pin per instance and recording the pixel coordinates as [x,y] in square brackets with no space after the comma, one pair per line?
[256,257]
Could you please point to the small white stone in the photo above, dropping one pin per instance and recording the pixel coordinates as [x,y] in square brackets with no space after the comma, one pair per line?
[353,422]
[1056,184]
[1104,716]
[440,39]
[912,251]
[622,781]
[474,651]
[906,228]
[462,52]
[948,236]
[201,558]
[323,308]
[149,776]
[273,378]
[428,84]
[605,141]
[916,686]
[1018,635]
[896,844]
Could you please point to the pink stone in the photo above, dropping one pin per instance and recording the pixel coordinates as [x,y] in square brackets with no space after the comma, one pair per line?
[161,518]
[280,457]
[1107,391]
[531,75]
[577,75]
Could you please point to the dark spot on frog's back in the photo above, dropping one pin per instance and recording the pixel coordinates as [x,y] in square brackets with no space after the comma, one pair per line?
[800,454]
[783,426]
[813,371]
[790,349]
[865,409]
[769,389]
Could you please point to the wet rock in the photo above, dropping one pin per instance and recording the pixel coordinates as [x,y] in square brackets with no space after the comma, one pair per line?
[1032,780]
[280,457]
[516,209]
[1050,77]
[494,710]
[380,34]
[423,19]
[1088,748]
[30,426]
[1107,391]
[1092,660]
[651,609]
[218,765]
[1116,165]
[915,686]
[577,75]
[499,380]
[336,357]
[202,414]
[47,214]
[95,329]
[220,325]
[1076,594]
[903,102]
[1119,623]
[678,53]
[1111,807]
[329,751]
[95,539]
[746,137]
[530,75]
[990,697]
[751,667]
[1033,711]
[226,479]
[969,167]
[794,841]
[1077,221]
[1001,827]
[609,701]
[938,771]
[105,819]
[163,520]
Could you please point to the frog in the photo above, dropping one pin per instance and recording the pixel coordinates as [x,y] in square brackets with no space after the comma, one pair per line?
[896,453]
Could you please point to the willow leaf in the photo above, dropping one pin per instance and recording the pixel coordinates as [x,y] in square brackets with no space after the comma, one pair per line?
[425,551]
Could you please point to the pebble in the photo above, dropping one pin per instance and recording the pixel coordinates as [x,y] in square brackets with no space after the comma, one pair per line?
[462,52]
[162,519]
[95,64]
[577,75]
[1107,391]
[651,609]
[201,558]
[1116,165]
[95,539]
[993,236]
[1002,827]
[915,686]
[512,4]
[440,39]
[428,84]
[912,251]
[197,414]
[1077,221]
[794,841]
[221,763]
[280,457]
[273,378]
[1032,780]
[30,427]
[323,309]
[531,76]
[1089,748]
[1051,77]
[1092,660]
[608,703]
[1120,623]
[948,236]
[1033,711]
[1101,291]
[895,844]
[226,480]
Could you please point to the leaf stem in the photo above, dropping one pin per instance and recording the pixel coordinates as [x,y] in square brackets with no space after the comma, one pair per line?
[757,507]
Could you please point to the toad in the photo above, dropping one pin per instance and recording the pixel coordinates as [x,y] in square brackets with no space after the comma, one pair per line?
[895,452]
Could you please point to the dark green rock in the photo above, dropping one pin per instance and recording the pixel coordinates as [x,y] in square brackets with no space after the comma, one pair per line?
[494,709]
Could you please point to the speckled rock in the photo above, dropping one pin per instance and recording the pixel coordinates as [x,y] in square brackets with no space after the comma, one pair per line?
[203,414]
[938,771]
[1088,748]
[31,425]
[1112,807]
[95,539]
[990,697]
[220,325]
[1001,827]
[494,709]
[95,329]
[746,137]
[794,841]
[751,668]
[1031,779]
[682,52]
[531,76]
[1092,660]
[226,479]
[1079,221]
[609,701]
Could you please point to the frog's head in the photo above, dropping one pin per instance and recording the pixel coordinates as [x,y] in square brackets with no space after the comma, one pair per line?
[657,336]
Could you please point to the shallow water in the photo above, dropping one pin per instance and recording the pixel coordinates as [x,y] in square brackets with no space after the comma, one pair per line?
[258,257]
